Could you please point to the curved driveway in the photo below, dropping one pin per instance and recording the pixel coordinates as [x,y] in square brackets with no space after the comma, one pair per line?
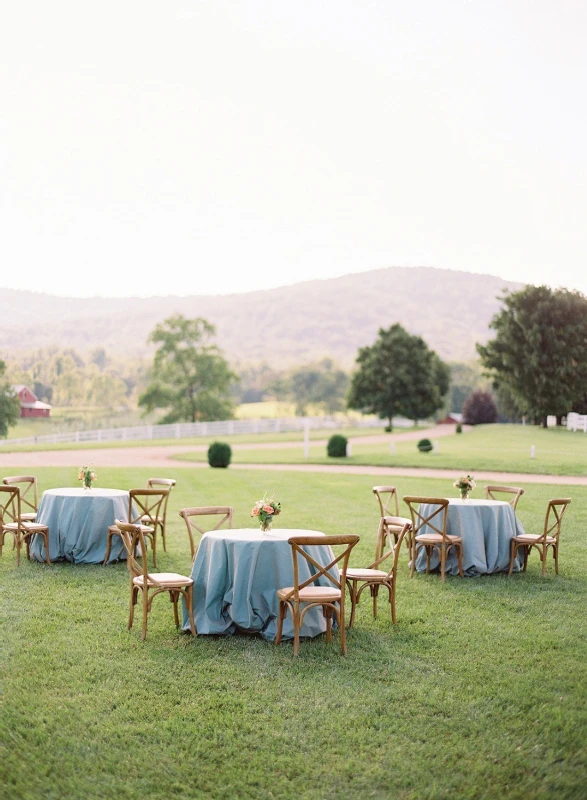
[160,456]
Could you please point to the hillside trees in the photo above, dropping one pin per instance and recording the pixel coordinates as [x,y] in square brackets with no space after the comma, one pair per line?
[538,358]
[320,383]
[398,376]
[190,378]
[9,403]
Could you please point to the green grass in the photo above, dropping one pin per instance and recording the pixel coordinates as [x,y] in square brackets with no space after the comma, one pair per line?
[478,692]
[485,447]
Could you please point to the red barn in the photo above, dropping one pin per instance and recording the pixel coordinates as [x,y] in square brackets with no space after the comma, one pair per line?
[29,405]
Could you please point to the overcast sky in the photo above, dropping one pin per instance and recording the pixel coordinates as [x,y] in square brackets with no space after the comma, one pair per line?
[188,147]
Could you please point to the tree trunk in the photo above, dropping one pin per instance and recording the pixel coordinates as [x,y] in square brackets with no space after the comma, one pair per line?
[544,422]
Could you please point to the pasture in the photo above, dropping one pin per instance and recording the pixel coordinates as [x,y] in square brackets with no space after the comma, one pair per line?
[478,692]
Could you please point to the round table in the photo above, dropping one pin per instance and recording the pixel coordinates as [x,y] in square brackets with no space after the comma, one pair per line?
[78,521]
[237,573]
[486,528]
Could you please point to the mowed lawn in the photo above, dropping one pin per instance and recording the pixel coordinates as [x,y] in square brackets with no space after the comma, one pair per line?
[479,691]
[485,447]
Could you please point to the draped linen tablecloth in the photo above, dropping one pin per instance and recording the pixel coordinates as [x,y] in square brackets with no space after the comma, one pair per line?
[78,523]
[486,527]
[236,576]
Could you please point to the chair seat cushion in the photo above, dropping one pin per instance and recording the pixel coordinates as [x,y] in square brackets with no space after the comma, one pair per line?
[145,529]
[436,537]
[146,520]
[30,516]
[29,527]
[167,579]
[533,537]
[365,574]
[318,594]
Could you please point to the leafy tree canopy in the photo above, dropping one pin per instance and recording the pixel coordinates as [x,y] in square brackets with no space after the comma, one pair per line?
[538,358]
[398,375]
[190,378]
[479,408]
[9,403]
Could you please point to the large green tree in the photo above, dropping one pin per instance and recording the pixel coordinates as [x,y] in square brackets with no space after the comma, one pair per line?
[9,404]
[538,357]
[399,375]
[190,378]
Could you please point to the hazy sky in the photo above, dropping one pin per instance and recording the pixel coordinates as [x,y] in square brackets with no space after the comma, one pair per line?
[188,147]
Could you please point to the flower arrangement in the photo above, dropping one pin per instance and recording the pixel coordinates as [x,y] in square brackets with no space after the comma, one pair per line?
[86,475]
[465,484]
[265,510]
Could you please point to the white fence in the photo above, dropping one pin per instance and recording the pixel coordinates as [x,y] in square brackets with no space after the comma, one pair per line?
[576,422]
[183,430]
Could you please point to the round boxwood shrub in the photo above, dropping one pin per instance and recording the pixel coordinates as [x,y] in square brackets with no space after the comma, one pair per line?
[219,454]
[459,428]
[336,447]
[425,445]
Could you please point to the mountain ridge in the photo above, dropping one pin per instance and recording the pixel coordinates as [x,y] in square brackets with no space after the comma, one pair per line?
[328,317]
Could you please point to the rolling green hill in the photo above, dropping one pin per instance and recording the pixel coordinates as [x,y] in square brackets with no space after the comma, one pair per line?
[288,325]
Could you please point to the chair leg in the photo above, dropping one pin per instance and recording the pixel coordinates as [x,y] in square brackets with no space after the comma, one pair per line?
[154,546]
[555,555]
[414,552]
[174,596]
[460,559]
[162,528]
[513,551]
[543,557]
[374,588]
[108,547]
[145,593]
[352,586]
[343,646]
[296,622]
[526,554]
[442,561]
[133,602]
[392,601]
[327,611]
[280,618]
[18,544]
[190,604]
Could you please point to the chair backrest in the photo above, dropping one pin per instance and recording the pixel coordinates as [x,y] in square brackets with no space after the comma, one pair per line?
[297,544]
[146,503]
[389,528]
[387,495]
[166,483]
[514,491]
[436,519]
[134,542]
[553,519]
[9,504]
[28,491]
[193,518]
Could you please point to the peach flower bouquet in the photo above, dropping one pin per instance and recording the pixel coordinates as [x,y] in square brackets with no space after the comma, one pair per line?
[265,510]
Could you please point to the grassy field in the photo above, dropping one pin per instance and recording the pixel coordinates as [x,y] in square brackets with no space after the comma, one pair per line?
[485,447]
[478,692]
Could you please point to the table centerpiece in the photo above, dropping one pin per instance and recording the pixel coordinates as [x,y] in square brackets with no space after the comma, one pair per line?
[87,476]
[465,484]
[265,510]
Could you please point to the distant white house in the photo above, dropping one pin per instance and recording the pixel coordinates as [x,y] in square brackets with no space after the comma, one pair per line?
[30,406]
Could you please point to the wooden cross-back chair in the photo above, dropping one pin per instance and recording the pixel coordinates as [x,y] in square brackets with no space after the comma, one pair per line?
[167,483]
[388,505]
[28,495]
[193,519]
[383,571]
[150,584]
[429,532]
[549,538]
[144,508]
[513,494]
[302,596]
[12,523]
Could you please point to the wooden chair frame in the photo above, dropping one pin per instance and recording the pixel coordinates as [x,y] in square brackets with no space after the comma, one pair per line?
[169,483]
[548,538]
[384,503]
[28,495]
[513,490]
[439,539]
[21,530]
[293,597]
[187,514]
[150,584]
[392,530]
[143,505]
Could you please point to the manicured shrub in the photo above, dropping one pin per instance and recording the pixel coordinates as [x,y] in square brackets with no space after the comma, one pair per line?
[425,445]
[219,454]
[388,429]
[459,428]
[336,447]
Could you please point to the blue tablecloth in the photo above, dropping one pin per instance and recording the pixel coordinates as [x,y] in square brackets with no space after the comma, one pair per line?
[236,576]
[78,522]
[486,527]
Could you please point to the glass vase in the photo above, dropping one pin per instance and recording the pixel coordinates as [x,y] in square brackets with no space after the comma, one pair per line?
[464,495]
[266,525]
